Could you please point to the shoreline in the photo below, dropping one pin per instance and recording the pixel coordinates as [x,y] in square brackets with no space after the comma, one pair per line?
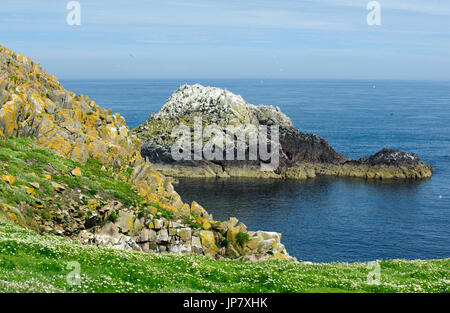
[301,172]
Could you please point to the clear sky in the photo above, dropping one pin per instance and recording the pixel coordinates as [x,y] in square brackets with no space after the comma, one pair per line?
[232,39]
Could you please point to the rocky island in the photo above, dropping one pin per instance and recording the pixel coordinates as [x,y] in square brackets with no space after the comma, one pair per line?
[300,155]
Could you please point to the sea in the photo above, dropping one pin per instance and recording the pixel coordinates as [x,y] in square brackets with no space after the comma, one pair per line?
[326,219]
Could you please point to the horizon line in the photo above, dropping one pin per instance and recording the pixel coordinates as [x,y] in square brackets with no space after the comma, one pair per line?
[254,78]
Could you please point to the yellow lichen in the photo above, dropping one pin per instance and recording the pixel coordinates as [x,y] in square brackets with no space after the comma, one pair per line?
[9,179]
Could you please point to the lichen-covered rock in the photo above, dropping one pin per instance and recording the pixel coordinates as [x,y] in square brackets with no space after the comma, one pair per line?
[125,221]
[35,104]
[76,172]
[265,245]
[9,179]
[208,243]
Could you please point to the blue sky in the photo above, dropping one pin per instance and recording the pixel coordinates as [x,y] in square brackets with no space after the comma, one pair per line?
[233,39]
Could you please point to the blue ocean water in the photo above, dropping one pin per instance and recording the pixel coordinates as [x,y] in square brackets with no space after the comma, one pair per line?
[327,219]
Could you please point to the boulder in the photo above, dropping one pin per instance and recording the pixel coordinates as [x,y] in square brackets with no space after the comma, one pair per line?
[197,245]
[76,172]
[209,246]
[125,221]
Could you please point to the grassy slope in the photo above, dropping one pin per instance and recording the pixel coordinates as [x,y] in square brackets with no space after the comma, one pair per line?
[29,164]
[30,262]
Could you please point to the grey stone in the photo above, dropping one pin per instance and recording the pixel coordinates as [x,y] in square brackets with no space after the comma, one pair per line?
[196,245]
[162,237]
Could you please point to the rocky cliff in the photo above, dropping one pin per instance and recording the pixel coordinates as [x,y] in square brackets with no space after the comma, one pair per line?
[135,207]
[301,155]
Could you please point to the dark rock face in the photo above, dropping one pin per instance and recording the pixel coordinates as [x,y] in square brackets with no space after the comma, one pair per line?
[389,157]
[295,147]
[298,147]
[156,153]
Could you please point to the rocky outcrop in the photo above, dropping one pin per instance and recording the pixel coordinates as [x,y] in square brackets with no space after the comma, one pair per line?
[174,236]
[33,103]
[301,155]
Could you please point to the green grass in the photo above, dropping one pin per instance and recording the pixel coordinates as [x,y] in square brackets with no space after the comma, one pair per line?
[33,263]
[30,262]
[27,163]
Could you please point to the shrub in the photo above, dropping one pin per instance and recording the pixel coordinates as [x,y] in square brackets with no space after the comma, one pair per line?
[46,215]
[113,217]
[242,238]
